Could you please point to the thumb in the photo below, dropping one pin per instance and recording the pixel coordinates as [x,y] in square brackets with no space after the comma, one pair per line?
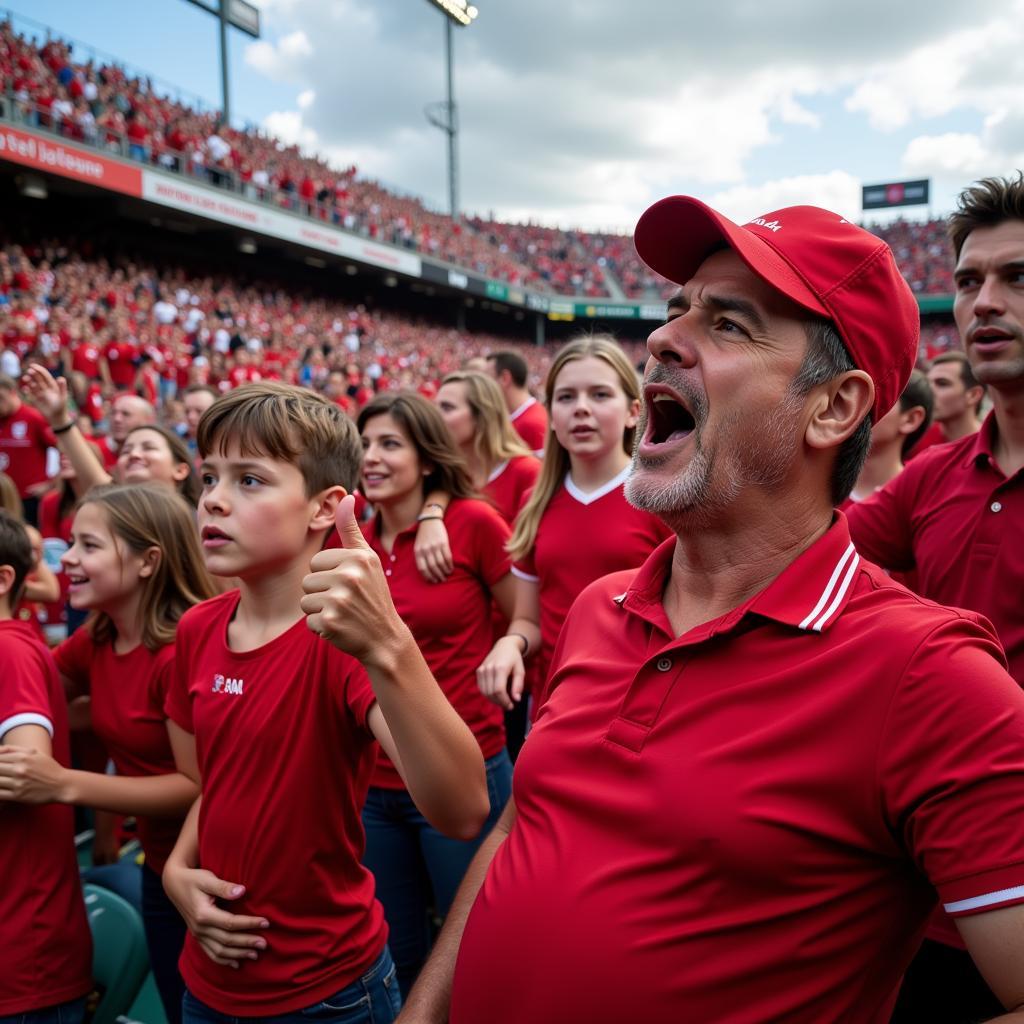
[348,529]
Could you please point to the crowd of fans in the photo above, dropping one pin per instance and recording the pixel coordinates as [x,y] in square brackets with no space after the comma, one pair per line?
[101,105]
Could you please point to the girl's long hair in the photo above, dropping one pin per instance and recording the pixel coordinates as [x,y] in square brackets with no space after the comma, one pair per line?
[495,439]
[143,516]
[556,458]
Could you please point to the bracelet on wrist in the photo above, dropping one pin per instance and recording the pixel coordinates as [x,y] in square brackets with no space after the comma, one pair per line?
[434,504]
[63,428]
[526,643]
[423,519]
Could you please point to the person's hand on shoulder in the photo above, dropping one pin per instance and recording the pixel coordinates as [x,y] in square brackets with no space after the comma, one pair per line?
[432,550]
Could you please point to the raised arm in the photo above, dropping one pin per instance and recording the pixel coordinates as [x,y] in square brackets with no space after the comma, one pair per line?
[51,397]
[348,603]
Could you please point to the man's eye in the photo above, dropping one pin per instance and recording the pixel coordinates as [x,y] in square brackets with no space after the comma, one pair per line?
[963,283]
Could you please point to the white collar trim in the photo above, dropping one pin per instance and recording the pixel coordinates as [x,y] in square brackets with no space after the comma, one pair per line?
[589,497]
[497,471]
[526,405]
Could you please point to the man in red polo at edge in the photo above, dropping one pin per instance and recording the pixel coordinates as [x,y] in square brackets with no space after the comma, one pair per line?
[757,766]
[957,517]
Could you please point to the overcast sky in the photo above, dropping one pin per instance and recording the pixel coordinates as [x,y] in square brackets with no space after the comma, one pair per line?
[583,112]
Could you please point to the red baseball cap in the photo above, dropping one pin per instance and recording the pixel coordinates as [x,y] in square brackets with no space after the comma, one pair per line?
[818,259]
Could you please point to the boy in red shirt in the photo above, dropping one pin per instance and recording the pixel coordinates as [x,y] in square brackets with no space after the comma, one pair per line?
[45,945]
[284,718]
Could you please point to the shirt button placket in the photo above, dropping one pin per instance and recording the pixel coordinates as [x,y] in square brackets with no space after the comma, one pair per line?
[663,664]
[996,506]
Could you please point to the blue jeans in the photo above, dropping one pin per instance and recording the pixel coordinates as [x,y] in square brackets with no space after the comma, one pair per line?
[65,1013]
[417,868]
[373,999]
[165,935]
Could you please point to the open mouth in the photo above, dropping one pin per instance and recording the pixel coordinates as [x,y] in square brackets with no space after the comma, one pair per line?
[986,337]
[212,536]
[372,479]
[76,579]
[668,419]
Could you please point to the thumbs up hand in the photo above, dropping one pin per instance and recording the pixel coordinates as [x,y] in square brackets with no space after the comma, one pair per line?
[347,600]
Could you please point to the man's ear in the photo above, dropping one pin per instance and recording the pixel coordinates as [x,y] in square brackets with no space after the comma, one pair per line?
[325,507]
[6,581]
[974,396]
[839,407]
[911,419]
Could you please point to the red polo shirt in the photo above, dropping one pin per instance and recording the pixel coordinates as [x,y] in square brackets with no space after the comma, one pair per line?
[953,515]
[748,823]
[285,756]
[450,621]
[531,423]
[24,437]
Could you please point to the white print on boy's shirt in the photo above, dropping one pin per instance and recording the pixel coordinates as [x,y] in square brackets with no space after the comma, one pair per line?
[228,685]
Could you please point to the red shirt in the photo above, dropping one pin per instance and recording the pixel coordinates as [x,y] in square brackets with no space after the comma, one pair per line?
[509,483]
[931,437]
[128,693]
[121,356]
[85,358]
[107,450]
[285,755]
[45,945]
[749,823]
[56,533]
[24,437]
[582,537]
[531,423]
[954,517]
[450,620]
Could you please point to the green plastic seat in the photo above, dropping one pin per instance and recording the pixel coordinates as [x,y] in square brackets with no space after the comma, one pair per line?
[120,959]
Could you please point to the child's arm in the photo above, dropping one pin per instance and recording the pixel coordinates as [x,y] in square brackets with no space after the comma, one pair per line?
[502,673]
[30,776]
[51,396]
[348,603]
[225,938]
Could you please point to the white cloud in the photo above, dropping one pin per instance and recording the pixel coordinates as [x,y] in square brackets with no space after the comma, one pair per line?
[837,190]
[584,113]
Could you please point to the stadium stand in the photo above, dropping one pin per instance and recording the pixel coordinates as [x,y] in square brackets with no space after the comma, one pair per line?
[101,105]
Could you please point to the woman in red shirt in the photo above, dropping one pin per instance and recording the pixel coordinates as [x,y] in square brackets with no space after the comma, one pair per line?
[407,452]
[135,564]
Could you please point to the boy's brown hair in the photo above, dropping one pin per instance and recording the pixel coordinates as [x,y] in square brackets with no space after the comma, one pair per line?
[15,551]
[293,424]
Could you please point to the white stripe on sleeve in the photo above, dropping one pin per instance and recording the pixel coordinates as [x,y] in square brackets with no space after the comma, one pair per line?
[26,718]
[989,899]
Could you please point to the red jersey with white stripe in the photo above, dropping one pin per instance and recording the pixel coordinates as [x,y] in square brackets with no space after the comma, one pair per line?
[509,483]
[45,945]
[582,537]
[764,807]
[285,755]
[531,423]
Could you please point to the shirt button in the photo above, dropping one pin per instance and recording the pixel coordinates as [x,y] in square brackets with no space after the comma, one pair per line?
[387,572]
[996,506]
[664,664]
[392,558]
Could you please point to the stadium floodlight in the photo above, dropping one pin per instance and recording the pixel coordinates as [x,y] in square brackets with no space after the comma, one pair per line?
[239,14]
[443,115]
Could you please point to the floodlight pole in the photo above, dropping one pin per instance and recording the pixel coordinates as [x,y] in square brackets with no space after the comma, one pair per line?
[222,18]
[452,128]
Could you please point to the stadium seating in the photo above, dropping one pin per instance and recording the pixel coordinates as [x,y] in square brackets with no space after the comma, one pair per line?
[120,957]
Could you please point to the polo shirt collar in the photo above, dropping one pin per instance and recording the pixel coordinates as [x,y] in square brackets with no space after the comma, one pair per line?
[981,451]
[810,594]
